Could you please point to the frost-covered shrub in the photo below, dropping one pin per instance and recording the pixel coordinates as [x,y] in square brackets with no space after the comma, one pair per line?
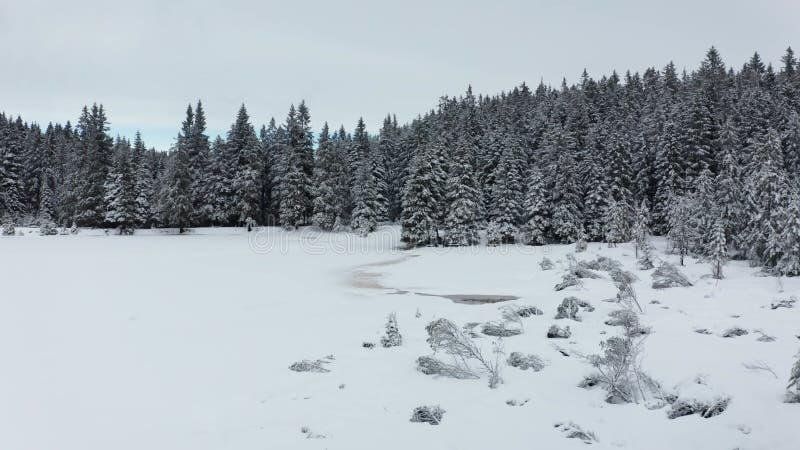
[368,345]
[8,229]
[570,307]
[446,337]
[392,338]
[618,368]
[627,319]
[568,280]
[667,276]
[525,362]
[307,365]
[546,264]
[502,329]
[428,414]
[528,311]
[310,434]
[432,366]
[556,332]
[580,246]
[48,229]
[734,332]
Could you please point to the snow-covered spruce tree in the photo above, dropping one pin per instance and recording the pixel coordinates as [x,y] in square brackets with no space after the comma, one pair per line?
[420,199]
[95,161]
[369,205]
[11,186]
[617,223]
[294,181]
[595,196]
[120,191]
[717,249]
[679,222]
[200,168]
[507,197]
[766,194]
[535,228]
[705,213]
[789,237]
[176,204]
[242,143]
[463,198]
[143,182]
[566,221]
[669,174]
[791,143]
[641,227]
[325,207]
[365,205]
[728,184]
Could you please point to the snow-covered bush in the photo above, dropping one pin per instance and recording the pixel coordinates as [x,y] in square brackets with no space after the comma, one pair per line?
[432,366]
[502,329]
[368,345]
[428,414]
[568,280]
[546,264]
[734,332]
[793,389]
[525,362]
[573,431]
[74,229]
[8,229]
[48,229]
[696,397]
[308,365]
[580,270]
[556,332]
[445,336]
[392,338]
[570,307]
[667,276]
[513,313]
[783,303]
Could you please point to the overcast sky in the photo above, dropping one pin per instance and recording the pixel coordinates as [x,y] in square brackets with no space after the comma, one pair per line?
[145,60]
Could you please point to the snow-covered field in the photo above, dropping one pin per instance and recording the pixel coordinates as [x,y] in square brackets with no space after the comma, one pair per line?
[164,342]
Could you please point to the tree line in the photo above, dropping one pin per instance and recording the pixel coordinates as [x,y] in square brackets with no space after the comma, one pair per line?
[709,156]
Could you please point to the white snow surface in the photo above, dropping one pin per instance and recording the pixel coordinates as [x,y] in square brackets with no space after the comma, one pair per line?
[165,342]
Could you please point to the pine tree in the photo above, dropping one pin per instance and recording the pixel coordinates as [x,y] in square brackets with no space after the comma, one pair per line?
[566,221]
[325,208]
[679,221]
[143,183]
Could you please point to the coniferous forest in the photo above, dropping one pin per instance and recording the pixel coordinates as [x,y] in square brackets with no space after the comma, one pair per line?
[709,158]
